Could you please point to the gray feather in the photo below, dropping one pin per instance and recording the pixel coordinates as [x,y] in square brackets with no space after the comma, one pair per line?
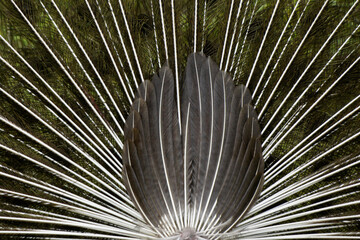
[192,110]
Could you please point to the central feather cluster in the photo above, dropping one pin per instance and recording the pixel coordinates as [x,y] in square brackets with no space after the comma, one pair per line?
[202,170]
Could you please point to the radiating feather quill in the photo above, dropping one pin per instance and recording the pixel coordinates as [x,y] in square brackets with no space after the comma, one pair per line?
[72,167]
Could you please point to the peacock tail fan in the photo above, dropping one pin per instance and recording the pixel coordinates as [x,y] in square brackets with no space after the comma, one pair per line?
[128,119]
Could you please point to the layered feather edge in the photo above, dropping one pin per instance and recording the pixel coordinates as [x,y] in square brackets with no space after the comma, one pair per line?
[205,176]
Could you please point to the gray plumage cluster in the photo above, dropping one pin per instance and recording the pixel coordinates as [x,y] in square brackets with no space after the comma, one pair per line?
[206,175]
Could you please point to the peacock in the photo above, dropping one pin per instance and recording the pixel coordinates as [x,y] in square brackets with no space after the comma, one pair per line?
[188,120]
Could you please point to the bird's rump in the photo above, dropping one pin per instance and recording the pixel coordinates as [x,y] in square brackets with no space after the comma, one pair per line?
[213,170]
